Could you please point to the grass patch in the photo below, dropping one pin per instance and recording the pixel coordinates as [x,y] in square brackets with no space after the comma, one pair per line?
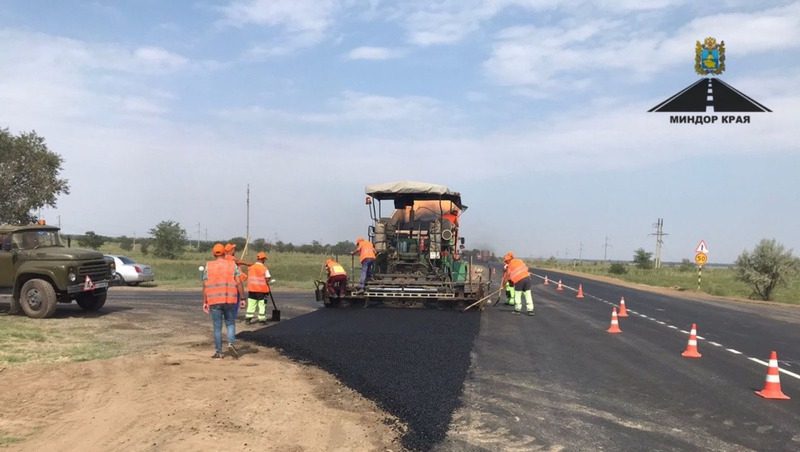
[715,281]
[24,340]
[6,440]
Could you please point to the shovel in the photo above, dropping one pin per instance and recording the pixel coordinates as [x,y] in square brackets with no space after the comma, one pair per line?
[276,313]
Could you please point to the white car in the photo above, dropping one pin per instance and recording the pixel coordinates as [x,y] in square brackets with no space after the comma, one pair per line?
[131,273]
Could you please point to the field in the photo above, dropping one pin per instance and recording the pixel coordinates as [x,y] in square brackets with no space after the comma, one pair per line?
[715,281]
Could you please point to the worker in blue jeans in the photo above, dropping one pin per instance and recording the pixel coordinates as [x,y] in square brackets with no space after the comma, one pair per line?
[222,293]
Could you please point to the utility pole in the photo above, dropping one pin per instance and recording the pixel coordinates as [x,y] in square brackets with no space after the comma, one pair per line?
[605,250]
[659,225]
[580,253]
[199,233]
[247,228]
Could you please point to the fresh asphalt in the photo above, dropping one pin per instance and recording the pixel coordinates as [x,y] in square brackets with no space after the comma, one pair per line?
[556,381]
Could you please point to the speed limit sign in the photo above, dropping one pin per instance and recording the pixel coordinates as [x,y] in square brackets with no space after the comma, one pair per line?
[700,259]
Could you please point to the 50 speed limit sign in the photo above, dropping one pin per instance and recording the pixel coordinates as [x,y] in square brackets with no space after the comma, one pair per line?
[700,259]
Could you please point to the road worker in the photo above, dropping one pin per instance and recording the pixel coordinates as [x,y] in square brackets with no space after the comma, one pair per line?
[230,254]
[221,289]
[366,255]
[257,289]
[337,278]
[517,273]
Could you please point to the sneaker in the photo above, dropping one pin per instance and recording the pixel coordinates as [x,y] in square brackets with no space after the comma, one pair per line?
[217,355]
[530,313]
[234,352]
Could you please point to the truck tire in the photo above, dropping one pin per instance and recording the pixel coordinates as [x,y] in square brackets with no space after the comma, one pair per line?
[92,301]
[38,299]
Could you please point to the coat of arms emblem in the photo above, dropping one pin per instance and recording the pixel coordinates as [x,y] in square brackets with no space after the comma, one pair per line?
[709,57]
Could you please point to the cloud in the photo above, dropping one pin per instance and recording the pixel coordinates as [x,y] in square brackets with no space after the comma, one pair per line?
[544,61]
[301,23]
[373,53]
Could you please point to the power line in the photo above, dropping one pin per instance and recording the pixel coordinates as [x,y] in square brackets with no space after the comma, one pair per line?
[659,225]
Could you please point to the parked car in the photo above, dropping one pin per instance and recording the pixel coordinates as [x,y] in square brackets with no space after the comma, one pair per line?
[131,273]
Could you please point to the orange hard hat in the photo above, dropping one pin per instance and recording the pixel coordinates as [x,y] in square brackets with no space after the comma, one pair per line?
[261,255]
[229,247]
[509,255]
[218,249]
[360,239]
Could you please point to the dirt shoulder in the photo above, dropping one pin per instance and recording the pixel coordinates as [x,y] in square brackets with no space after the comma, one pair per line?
[166,394]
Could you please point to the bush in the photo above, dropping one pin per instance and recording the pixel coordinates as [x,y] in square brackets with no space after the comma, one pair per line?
[618,269]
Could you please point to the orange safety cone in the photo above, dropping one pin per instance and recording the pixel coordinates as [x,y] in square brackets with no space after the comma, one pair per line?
[580,291]
[772,387]
[546,281]
[623,311]
[691,347]
[559,288]
[614,328]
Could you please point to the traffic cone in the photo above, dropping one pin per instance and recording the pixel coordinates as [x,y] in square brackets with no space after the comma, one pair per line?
[559,288]
[691,347]
[580,291]
[623,312]
[772,387]
[546,281]
[614,328]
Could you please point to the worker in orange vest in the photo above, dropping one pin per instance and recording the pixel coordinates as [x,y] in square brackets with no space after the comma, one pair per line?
[366,255]
[517,273]
[337,278]
[221,289]
[257,289]
[230,254]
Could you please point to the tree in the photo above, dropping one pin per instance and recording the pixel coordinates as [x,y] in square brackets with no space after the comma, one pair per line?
[643,259]
[91,240]
[29,176]
[766,268]
[169,239]
[126,243]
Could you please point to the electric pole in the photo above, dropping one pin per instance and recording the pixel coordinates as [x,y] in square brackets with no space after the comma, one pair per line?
[659,225]
[199,233]
[580,253]
[605,250]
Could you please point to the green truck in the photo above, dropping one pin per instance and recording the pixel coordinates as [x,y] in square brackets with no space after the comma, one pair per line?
[39,272]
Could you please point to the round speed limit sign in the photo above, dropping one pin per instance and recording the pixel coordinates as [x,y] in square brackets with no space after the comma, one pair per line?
[700,259]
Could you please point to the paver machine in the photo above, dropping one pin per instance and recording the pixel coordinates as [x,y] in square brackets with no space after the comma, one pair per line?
[415,231]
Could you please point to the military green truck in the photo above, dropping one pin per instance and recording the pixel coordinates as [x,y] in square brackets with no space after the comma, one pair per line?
[39,272]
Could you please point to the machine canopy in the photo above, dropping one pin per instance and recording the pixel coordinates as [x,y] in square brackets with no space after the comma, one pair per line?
[404,193]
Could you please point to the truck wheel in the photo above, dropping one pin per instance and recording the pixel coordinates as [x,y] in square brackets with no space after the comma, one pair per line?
[38,299]
[92,301]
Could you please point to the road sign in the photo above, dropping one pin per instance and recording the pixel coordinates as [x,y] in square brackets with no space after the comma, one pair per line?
[700,259]
[701,247]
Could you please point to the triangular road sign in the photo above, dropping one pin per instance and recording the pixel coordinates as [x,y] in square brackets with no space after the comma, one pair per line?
[701,247]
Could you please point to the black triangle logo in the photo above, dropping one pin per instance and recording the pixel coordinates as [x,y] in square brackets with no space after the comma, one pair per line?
[710,95]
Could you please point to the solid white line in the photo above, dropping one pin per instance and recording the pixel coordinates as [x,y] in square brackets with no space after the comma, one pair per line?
[735,352]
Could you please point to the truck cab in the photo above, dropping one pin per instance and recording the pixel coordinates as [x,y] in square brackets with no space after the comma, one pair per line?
[39,272]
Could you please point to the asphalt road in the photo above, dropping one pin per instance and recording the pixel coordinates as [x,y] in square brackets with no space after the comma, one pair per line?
[496,381]
[710,92]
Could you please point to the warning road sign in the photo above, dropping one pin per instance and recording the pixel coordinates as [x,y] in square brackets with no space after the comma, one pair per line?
[701,247]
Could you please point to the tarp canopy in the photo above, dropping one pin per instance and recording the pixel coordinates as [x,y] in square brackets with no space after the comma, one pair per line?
[405,192]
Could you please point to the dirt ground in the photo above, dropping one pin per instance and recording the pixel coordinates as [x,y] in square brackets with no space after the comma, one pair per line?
[172,396]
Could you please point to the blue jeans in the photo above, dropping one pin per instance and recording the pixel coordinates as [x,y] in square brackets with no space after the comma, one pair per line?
[218,312]
[366,271]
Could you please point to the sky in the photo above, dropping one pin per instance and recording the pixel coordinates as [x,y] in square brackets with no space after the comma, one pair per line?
[535,110]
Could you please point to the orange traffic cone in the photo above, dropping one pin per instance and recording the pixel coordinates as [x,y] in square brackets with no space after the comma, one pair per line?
[580,291]
[772,387]
[546,281]
[559,288]
[691,347]
[614,328]
[623,312]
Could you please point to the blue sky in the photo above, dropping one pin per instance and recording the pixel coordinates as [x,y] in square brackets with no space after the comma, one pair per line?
[536,110]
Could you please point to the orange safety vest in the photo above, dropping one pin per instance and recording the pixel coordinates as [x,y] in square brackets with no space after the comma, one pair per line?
[335,269]
[220,286]
[366,250]
[517,271]
[257,278]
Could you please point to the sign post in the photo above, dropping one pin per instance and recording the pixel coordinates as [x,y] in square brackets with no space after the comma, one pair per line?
[700,258]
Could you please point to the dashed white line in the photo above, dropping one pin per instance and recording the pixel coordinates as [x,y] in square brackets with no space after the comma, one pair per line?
[735,352]
[672,327]
[715,344]
[661,323]
[684,331]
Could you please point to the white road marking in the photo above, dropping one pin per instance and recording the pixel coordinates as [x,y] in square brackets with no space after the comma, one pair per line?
[701,338]
[660,322]
[684,331]
[672,327]
[715,344]
[735,352]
